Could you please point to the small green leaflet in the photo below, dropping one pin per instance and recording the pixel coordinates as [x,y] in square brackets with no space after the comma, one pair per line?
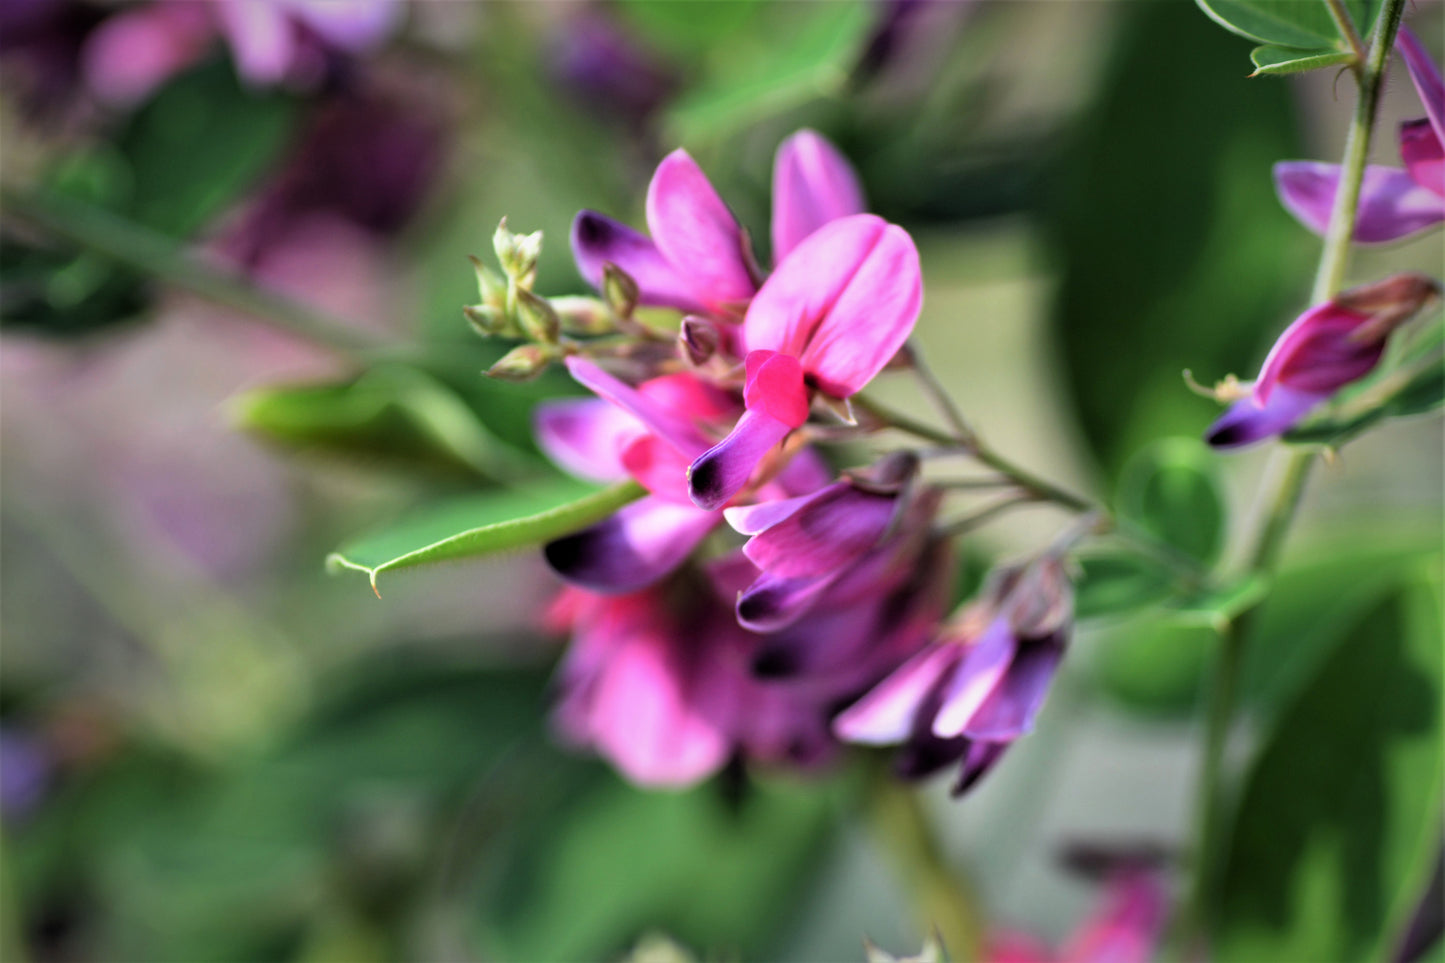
[484,525]
[1304,24]
[1276,61]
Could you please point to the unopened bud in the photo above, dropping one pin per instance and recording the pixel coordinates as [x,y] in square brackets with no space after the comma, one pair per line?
[518,253]
[1390,303]
[619,290]
[523,363]
[1041,601]
[698,340]
[584,316]
[487,321]
[491,285]
[536,317]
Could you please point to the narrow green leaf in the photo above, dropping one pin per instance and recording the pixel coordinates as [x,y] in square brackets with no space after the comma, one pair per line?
[1304,24]
[484,525]
[1118,582]
[1340,811]
[1171,491]
[1271,60]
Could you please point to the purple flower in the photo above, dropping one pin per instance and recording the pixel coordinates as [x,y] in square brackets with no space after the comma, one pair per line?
[967,696]
[1125,928]
[603,66]
[1326,348]
[698,258]
[1394,203]
[26,769]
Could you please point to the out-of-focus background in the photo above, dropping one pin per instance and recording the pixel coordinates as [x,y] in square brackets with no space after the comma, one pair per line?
[210,749]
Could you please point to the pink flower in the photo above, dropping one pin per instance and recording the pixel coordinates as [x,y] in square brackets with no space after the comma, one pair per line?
[1125,928]
[968,696]
[1326,348]
[834,313]
[1394,203]
[698,258]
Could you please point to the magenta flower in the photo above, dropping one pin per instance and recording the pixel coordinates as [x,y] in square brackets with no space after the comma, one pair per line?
[1326,348]
[1126,928]
[1394,203]
[835,312]
[968,696]
[698,258]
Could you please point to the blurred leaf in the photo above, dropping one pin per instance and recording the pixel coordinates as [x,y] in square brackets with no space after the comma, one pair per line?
[1171,491]
[714,875]
[1339,817]
[1288,23]
[1171,248]
[485,525]
[1156,665]
[1272,61]
[392,414]
[692,28]
[1118,582]
[1220,605]
[800,52]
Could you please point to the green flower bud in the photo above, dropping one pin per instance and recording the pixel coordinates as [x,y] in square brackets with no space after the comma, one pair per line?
[536,317]
[584,316]
[619,290]
[523,363]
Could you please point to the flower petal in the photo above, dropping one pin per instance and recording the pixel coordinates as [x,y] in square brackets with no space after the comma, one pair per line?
[598,240]
[980,758]
[351,25]
[836,527]
[772,603]
[696,232]
[631,549]
[129,55]
[1317,354]
[1247,421]
[585,436]
[722,471]
[1426,77]
[1010,710]
[262,39]
[752,519]
[775,386]
[1424,157]
[1392,205]
[983,668]
[812,185]
[886,715]
[665,424]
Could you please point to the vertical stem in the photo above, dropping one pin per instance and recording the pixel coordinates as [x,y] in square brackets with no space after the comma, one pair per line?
[1283,500]
[944,900]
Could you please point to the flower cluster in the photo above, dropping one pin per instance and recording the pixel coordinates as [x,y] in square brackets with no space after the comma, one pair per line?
[754,593]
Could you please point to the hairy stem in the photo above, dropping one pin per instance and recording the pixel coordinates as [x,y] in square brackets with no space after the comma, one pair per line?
[1281,503]
[1346,25]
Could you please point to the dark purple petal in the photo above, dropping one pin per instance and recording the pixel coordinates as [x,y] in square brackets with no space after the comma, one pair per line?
[836,527]
[722,471]
[1392,205]
[1010,710]
[980,758]
[1427,79]
[633,548]
[598,240]
[771,603]
[1247,422]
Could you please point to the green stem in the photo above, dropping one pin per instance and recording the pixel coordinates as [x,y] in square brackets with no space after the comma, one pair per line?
[1283,501]
[1346,26]
[945,900]
[155,255]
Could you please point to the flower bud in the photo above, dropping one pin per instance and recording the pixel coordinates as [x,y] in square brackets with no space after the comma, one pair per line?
[538,320]
[518,253]
[698,340]
[619,289]
[523,363]
[488,321]
[491,285]
[583,316]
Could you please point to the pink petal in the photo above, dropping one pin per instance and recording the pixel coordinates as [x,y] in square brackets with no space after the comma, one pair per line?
[722,471]
[1426,77]
[886,715]
[773,603]
[1009,947]
[752,519]
[1010,710]
[837,527]
[585,436]
[671,427]
[843,302]
[597,240]
[1423,155]
[1317,355]
[262,39]
[658,467]
[775,387]
[812,185]
[1247,421]
[633,548]
[696,232]
[133,53]
[982,669]
[691,397]
[1127,928]
[805,472]
[351,25]
[1392,205]
[977,761]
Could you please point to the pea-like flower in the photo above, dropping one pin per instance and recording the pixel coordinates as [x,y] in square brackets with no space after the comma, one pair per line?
[1394,202]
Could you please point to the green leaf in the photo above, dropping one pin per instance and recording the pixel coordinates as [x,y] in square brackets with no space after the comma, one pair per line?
[800,52]
[1155,666]
[1117,582]
[715,874]
[1270,60]
[1171,491]
[1288,23]
[393,414]
[1339,817]
[1219,605]
[485,525]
